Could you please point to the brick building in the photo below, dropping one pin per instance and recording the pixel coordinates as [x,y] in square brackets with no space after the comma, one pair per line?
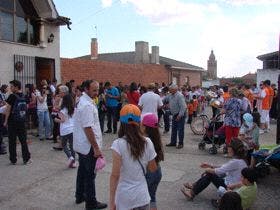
[139,66]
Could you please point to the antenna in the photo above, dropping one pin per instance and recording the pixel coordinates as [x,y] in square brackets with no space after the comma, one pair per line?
[95,27]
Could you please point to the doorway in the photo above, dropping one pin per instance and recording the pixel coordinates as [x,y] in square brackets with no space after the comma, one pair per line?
[45,69]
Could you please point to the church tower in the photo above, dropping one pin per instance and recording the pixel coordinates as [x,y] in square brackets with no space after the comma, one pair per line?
[212,67]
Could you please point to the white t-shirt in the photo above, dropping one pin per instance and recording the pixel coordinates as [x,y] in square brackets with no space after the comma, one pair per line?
[41,106]
[150,102]
[52,87]
[3,109]
[132,190]
[85,115]
[67,126]
[232,170]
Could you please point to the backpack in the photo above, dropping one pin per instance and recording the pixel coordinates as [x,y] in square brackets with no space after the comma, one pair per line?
[19,109]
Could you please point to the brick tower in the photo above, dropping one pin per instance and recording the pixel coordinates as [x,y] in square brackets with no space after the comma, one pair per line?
[212,66]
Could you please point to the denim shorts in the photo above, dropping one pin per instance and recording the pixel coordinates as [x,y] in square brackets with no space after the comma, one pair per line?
[153,179]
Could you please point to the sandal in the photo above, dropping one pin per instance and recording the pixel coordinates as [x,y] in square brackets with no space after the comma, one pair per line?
[188,194]
[188,185]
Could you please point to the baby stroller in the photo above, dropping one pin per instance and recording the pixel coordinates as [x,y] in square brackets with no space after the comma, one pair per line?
[265,158]
[214,135]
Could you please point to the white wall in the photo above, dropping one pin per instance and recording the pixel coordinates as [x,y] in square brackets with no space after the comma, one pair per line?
[9,49]
[207,84]
[264,74]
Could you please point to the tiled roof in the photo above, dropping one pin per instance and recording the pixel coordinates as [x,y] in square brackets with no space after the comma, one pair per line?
[129,57]
[265,56]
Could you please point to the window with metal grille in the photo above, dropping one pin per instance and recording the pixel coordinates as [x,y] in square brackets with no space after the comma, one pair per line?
[24,69]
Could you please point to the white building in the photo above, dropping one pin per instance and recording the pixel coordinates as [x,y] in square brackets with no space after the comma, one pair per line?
[30,40]
[270,68]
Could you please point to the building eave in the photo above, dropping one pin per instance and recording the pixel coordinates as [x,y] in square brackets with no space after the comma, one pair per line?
[264,56]
[184,68]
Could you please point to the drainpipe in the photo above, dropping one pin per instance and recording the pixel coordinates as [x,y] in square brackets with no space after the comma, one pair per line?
[278,101]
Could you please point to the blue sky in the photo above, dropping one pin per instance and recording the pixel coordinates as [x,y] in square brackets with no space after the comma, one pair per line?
[186,30]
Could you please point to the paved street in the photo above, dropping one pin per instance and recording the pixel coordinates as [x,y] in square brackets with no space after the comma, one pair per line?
[48,184]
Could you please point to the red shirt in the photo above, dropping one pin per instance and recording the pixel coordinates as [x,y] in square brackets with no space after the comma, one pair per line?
[133,97]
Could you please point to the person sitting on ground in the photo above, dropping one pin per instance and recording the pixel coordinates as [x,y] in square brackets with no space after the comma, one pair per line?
[249,134]
[215,174]
[248,191]
[247,188]
[230,201]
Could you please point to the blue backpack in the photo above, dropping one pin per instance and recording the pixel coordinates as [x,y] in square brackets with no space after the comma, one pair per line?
[19,109]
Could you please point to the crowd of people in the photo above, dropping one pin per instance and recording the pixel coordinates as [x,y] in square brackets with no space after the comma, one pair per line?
[73,117]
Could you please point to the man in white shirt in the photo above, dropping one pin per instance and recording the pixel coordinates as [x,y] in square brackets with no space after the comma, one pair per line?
[87,142]
[150,102]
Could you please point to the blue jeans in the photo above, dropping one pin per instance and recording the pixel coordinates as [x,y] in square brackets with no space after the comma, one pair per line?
[68,139]
[153,179]
[178,127]
[44,123]
[166,118]
[112,114]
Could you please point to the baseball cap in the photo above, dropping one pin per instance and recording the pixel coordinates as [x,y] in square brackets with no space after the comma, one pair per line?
[150,120]
[248,118]
[130,114]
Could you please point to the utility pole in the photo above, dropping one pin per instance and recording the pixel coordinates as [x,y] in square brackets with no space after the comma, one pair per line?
[278,100]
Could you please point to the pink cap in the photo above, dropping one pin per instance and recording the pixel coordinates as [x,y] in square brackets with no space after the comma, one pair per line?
[150,120]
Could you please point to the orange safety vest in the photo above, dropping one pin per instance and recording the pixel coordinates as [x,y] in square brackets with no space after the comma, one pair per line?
[266,100]
[226,96]
[271,95]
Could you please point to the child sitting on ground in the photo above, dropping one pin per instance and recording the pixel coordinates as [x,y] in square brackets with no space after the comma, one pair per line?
[247,189]
[249,134]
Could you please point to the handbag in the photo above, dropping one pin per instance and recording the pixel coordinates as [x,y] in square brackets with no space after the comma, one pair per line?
[144,172]
[100,163]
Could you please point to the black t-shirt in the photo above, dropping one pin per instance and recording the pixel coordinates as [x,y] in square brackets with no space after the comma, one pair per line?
[11,101]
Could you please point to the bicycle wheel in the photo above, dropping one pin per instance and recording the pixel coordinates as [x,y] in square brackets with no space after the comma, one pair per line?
[198,125]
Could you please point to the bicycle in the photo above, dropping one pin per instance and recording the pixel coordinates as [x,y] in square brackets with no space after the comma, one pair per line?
[199,124]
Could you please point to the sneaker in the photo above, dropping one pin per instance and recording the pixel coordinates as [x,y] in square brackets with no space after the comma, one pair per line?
[58,148]
[226,156]
[3,152]
[71,161]
[28,162]
[180,146]
[261,131]
[74,165]
[80,200]
[108,131]
[97,205]
[215,203]
[266,131]
[170,145]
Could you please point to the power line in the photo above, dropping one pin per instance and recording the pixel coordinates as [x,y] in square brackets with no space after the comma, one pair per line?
[96,12]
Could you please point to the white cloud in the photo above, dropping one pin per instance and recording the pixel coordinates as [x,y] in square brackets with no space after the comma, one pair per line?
[236,41]
[250,2]
[168,12]
[106,3]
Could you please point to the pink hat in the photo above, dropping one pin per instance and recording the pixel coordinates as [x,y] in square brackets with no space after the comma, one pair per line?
[150,120]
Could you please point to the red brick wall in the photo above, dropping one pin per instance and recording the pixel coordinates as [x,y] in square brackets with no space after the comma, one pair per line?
[81,69]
